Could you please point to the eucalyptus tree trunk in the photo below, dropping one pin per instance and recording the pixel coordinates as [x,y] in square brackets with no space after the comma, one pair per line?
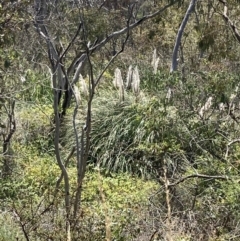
[64,75]
[179,35]
[59,85]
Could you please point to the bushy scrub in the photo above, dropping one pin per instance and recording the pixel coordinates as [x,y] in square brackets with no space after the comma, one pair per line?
[188,131]
[29,199]
[34,126]
[135,136]
[8,229]
[125,201]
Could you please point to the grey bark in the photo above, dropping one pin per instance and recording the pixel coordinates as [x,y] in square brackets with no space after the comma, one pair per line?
[58,82]
[179,35]
[63,80]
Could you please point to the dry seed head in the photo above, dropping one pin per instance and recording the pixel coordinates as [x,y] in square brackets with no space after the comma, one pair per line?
[206,107]
[135,81]
[129,77]
[117,81]
[155,67]
[155,61]
[154,57]
[221,106]
[169,94]
[83,85]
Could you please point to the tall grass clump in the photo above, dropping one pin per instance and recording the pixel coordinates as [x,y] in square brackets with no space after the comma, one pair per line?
[133,136]
[137,135]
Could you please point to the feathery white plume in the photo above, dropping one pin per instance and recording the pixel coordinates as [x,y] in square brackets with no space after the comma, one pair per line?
[155,67]
[155,61]
[129,77]
[135,81]
[206,107]
[221,106]
[118,83]
[83,85]
[169,94]
[154,56]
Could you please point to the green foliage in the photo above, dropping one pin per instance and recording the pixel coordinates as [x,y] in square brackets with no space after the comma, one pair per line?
[38,174]
[155,83]
[137,135]
[121,190]
[8,229]
[37,88]
[34,124]
[125,197]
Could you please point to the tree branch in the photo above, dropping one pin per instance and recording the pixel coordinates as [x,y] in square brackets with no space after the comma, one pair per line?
[180,33]
[198,176]
[130,27]
[229,144]
[228,20]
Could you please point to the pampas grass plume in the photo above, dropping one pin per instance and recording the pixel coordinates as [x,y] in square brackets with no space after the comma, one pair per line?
[129,77]
[206,107]
[155,61]
[118,83]
[135,81]
[83,85]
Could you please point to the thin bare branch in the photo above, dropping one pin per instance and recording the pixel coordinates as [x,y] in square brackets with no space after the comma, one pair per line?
[198,176]
[71,42]
[228,146]
[130,27]
[228,20]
